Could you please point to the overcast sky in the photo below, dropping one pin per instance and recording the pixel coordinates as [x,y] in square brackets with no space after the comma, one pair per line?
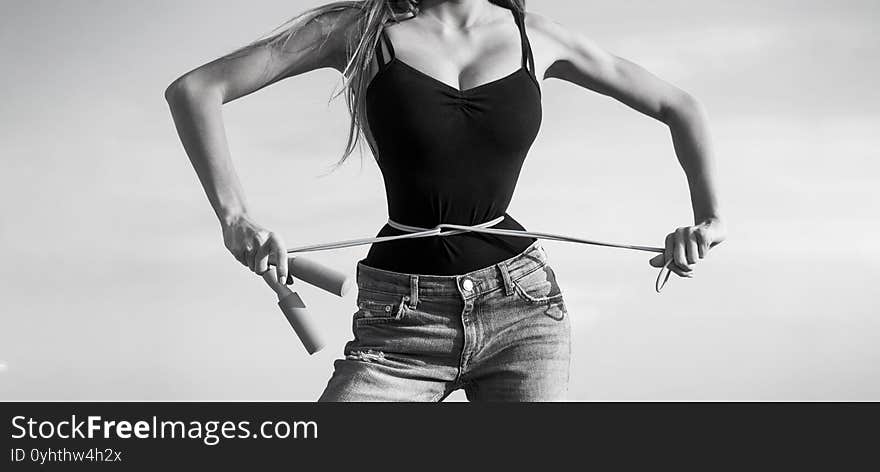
[116,285]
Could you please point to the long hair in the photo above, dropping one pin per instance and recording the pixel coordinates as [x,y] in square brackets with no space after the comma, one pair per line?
[360,50]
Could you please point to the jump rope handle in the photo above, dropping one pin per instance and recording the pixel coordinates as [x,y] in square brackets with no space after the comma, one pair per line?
[292,305]
[320,276]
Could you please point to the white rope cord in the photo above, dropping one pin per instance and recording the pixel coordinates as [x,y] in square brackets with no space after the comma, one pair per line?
[417,232]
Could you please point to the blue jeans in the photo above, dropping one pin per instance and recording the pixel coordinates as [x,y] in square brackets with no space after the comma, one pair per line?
[501,333]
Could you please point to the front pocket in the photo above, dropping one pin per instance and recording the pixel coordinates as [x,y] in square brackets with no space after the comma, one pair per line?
[539,286]
[380,307]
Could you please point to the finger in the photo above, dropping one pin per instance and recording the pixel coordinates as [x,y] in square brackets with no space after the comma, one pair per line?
[674,268]
[261,258]
[679,252]
[692,252]
[670,248]
[280,256]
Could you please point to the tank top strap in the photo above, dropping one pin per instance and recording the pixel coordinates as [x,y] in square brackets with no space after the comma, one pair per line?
[383,39]
[528,61]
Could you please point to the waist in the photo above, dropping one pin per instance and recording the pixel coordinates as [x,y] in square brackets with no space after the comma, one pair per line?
[452,253]
[447,229]
[474,283]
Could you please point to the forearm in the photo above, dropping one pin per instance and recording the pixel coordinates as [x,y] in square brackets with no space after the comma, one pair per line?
[693,147]
[199,121]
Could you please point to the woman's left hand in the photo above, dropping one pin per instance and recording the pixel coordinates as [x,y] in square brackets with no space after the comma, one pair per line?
[688,245]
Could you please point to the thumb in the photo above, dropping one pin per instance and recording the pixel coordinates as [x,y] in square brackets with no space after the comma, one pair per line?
[279,253]
[282,267]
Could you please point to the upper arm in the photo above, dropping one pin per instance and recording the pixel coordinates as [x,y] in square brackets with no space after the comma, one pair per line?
[575,58]
[320,43]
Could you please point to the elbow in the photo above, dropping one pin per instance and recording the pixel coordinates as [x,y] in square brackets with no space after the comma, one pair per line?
[682,107]
[180,88]
[184,88]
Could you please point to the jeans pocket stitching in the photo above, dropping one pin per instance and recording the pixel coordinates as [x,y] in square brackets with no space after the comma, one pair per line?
[399,308]
[537,300]
[524,294]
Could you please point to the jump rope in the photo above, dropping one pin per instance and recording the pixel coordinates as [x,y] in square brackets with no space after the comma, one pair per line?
[340,284]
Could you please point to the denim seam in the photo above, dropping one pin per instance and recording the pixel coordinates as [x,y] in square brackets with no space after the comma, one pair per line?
[414,292]
[554,299]
[400,315]
[505,277]
[538,301]
[540,266]
[381,292]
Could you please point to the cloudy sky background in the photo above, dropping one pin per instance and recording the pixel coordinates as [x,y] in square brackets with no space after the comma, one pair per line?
[116,286]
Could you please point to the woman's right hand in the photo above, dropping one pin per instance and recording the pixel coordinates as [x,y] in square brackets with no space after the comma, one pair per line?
[256,247]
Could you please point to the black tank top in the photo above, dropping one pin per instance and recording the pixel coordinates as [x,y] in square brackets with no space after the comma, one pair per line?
[450,156]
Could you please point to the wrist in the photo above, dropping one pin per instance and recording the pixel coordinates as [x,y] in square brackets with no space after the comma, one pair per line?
[229,216]
[707,218]
[706,211]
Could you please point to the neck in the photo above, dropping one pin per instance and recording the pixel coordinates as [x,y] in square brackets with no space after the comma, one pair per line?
[456,13]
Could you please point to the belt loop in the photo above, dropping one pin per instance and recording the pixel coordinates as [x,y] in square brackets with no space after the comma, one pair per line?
[505,275]
[413,291]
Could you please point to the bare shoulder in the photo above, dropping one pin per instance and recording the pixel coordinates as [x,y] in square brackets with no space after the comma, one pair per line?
[343,20]
[558,42]
[551,41]
[542,28]
[330,29]
[344,26]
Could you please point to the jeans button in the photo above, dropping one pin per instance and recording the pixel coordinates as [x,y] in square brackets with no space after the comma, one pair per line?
[467,285]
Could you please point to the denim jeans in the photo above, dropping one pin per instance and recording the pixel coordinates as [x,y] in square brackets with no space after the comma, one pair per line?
[501,333]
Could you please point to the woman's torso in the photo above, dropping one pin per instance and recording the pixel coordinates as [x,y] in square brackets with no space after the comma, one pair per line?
[450,156]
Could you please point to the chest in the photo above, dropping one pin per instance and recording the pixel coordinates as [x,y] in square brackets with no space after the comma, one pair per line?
[405,105]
